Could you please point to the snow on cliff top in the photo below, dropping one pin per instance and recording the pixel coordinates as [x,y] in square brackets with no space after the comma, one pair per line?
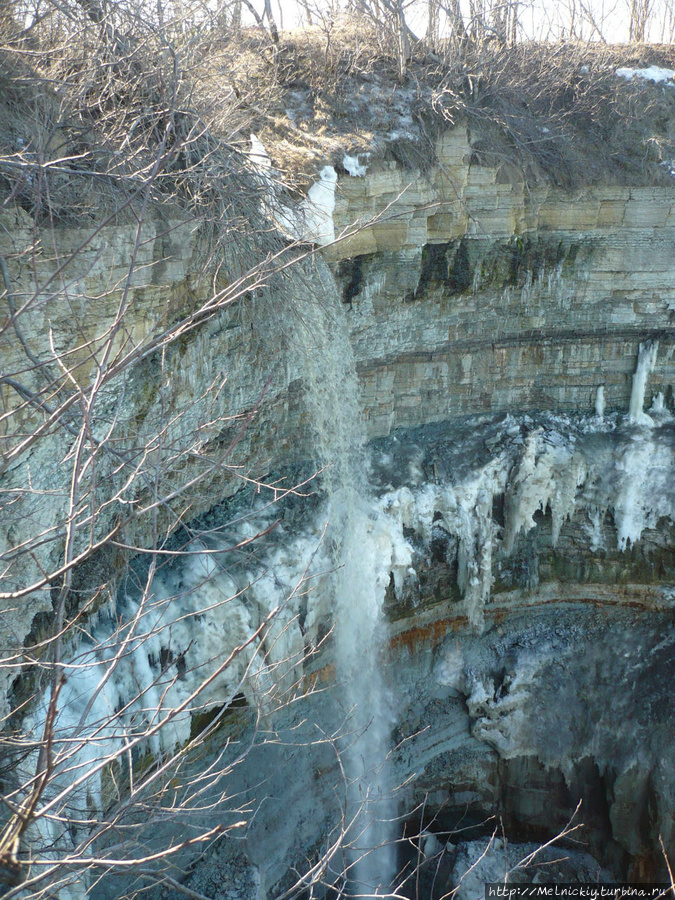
[650,73]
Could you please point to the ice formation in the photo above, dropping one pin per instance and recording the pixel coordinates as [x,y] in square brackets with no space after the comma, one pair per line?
[312,219]
[647,354]
[135,680]
[231,614]
[495,860]
[316,212]
[465,511]
[353,165]
[207,627]
[589,469]
[258,154]
[600,401]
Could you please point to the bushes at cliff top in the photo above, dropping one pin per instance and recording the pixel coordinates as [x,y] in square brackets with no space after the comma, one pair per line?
[99,101]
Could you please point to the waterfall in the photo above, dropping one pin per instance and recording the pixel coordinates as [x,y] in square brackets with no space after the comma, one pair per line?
[136,676]
[361,553]
[645,365]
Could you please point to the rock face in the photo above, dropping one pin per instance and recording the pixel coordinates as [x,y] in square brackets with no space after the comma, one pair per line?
[472,292]
[117,304]
[530,649]
[527,535]
[502,719]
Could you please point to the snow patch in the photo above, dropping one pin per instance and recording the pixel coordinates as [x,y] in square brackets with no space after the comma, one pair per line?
[650,73]
[406,135]
[353,165]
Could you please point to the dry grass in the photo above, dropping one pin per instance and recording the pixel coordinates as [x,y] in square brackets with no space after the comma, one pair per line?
[563,112]
[172,113]
[558,110]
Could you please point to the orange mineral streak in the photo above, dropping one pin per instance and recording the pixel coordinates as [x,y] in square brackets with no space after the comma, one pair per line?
[323,676]
[431,633]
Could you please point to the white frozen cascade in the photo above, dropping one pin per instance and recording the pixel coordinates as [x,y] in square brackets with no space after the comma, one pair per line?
[647,354]
[593,467]
[136,676]
[312,219]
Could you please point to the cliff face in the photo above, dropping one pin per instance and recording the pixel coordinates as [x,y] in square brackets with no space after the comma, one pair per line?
[472,292]
[539,632]
[114,306]
[526,536]
[477,295]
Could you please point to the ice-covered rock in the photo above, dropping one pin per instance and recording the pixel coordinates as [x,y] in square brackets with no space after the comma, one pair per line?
[647,354]
[354,166]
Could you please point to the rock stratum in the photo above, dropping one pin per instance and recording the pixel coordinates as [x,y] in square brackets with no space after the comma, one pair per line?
[513,344]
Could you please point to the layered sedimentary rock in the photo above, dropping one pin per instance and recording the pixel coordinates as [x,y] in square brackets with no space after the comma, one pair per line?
[473,291]
[502,717]
[470,292]
[528,580]
[115,306]
[526,537]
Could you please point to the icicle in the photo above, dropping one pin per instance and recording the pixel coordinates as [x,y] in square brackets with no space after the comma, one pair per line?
[645,365]
[570,475]
[600,402]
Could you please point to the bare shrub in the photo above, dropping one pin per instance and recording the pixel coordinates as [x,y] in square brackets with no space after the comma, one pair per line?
[120,190]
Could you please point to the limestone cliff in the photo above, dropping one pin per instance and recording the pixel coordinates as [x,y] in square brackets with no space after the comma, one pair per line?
[474,292]
[525,580]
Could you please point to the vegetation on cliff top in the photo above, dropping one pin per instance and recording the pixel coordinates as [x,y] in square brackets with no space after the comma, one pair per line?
[90,91]
[556,109]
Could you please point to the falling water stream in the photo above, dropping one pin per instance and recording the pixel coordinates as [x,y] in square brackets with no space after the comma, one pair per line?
[359,583]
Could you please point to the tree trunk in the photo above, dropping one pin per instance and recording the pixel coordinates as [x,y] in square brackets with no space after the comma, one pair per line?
[271,24]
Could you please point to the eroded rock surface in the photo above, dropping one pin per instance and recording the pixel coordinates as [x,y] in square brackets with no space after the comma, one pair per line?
[530,627]
[526,536]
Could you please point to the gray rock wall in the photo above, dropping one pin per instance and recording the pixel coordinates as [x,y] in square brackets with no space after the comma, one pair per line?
[471,293]
[468,293]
